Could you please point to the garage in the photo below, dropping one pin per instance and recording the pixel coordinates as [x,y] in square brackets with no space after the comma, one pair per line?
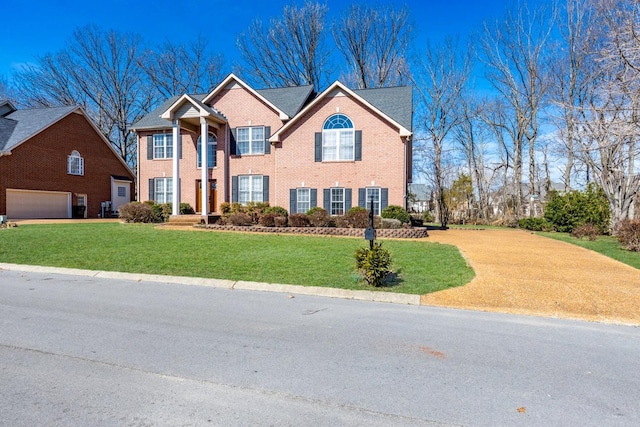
[38,204]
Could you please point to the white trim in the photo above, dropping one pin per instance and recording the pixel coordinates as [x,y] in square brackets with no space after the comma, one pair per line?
[338,86]
[169,113]
[78,110]
[232,77]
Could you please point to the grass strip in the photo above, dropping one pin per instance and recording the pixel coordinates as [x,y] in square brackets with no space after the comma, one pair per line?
[422,267]
[604,245]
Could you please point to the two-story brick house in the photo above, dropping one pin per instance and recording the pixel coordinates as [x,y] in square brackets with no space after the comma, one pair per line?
[286,146]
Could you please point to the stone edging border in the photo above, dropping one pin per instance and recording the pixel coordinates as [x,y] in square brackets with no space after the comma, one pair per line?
[398,233]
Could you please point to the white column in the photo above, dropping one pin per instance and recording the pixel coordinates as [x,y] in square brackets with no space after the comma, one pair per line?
[176,168]
[204,149]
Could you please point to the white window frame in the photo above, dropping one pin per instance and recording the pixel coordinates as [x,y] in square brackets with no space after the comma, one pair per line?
[255,145]
[75,164]
[337,195]
[212,146]
[338,139]
[163,146]
[377,199]
[163,191]
[250,189]
[303,200]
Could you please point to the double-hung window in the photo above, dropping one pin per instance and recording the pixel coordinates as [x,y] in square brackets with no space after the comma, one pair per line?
[75,164]
[373,193]
[303,200]
[250,188]
[250,140]
[338,138]
[163,146]
[211,151]
[337,201]
[163,190]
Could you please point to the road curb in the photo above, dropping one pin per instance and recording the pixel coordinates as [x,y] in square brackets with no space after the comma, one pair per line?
[373,296]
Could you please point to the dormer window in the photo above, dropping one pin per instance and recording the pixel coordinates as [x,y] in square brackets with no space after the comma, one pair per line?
[75,164]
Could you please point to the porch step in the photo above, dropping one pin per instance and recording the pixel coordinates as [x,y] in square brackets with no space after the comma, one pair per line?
[191,220]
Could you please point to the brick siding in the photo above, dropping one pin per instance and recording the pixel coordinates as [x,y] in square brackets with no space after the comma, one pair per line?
[41,164]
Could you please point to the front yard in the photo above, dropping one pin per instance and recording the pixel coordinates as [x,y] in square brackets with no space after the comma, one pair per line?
[422,267]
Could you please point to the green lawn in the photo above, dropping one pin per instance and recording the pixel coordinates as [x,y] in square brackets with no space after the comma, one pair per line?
[605,245]
[422,267]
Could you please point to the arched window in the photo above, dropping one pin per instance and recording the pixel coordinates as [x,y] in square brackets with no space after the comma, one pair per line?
[338,138]
[212,146]
[75,164]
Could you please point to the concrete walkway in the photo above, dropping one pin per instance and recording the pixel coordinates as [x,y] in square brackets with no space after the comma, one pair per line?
[520,272]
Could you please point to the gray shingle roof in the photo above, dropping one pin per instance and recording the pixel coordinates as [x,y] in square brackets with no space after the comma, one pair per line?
[153,120]
[395,102]
[21,125]
[290,100]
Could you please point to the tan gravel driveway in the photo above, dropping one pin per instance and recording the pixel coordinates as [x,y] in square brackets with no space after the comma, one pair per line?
[520,272]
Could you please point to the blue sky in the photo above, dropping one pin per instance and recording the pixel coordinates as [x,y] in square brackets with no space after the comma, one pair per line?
[34,28]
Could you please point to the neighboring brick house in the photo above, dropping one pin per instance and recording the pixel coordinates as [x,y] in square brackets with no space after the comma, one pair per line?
[55,159]
[285,146]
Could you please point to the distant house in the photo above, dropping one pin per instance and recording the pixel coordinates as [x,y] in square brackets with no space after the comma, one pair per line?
[421,197]
[55,163]
[287,146]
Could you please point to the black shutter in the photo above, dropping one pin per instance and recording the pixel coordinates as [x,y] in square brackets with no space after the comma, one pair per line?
[362,197]
[234,189]
[150,147]
[318,147]
[327,199]
[293,201]
[265,188]
[179,146]
[347,199]
[358,145]
[267,144]
[152,188]
[314,198]
[384,198]
[215,155]
[233,146]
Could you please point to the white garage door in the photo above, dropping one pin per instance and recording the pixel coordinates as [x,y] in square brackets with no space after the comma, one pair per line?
[38,204]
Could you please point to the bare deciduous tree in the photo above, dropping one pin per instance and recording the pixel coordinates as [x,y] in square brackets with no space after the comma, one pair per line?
[513,51]
[570,70]
[290,51]
[99,71]
[374,41]
[175,69]
[611,111]
[439,79]
[471,135]
[7,92]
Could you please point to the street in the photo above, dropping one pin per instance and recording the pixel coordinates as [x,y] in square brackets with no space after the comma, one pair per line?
[80,351]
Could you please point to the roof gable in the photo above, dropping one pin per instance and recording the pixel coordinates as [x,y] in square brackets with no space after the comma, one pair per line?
[232,81]
[188,106]
[25,124]
[21,125]
[381,103]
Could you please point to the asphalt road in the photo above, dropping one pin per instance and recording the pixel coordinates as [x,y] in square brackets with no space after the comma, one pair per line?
[80,351]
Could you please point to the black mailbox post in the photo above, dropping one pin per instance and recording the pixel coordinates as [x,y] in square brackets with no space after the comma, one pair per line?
[370,232]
